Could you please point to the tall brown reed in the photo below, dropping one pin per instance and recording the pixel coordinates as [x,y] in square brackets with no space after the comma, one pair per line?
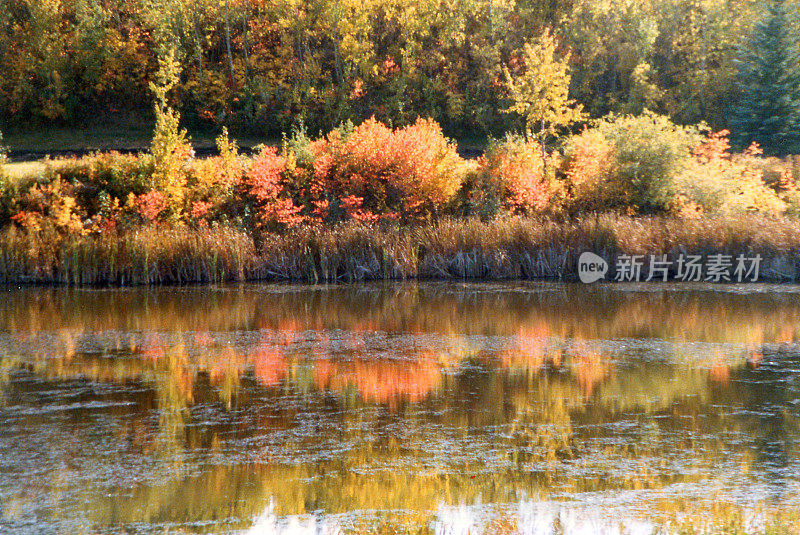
[506,248]
[146,256]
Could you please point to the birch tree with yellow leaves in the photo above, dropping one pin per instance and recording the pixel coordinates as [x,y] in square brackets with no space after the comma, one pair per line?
[538,86]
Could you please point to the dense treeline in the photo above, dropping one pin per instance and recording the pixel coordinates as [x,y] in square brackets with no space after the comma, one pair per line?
[266,65]
[672,108]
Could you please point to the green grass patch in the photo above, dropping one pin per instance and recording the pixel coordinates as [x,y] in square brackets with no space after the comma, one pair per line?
[136,137]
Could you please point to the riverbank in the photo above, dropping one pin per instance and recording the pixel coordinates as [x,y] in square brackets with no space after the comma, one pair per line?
[503,249]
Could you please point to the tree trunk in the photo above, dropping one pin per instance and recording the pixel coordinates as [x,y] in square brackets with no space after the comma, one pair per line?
[198,47]
[542,141]
[228,39]
[337,58]
[244,39]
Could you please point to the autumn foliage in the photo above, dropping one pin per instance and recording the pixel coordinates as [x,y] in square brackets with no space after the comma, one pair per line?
[588,169]
[375,172]
[264,182]
[719,181]
[516,170]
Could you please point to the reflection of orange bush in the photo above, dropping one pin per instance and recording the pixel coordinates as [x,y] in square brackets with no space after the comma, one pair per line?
[532,351]
[269,366]
[288,330]
[530,348]
[380,380]
[151,348]
[590,367]
[720,372]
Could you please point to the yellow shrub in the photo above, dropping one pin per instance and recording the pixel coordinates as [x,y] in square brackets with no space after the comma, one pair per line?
[722,182]
[49,205]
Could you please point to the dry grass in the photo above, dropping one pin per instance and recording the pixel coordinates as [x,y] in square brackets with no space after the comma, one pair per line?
[24,171]
[522,248]
[344,254]
[508,248]
[147,256]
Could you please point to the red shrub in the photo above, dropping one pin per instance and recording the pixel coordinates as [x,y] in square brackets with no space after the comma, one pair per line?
[514,171]
[264,182]
[405,172]
[200,210]
[151,205]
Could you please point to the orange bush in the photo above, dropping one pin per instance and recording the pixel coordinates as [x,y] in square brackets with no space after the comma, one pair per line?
[589,170]
[513,171]
[264,183]
[406,172]
[151,205]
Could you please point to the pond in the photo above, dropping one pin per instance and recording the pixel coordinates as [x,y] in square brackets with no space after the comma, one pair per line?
[410,407]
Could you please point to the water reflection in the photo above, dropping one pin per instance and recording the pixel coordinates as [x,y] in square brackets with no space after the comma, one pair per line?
[537,408]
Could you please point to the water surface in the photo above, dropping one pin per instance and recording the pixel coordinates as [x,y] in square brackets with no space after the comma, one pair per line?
[441,407]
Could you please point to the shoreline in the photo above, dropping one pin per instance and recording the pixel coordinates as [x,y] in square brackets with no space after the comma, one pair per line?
[507,249]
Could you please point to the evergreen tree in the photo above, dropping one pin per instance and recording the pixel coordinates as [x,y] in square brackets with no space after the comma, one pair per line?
[768,108]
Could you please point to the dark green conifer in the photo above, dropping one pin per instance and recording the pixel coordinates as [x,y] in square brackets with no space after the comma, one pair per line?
[767,110]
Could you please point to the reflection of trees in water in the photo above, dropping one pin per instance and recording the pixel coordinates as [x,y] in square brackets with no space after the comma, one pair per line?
[567,311]
[766,401]
[531,408]
[424,396]
[375,368]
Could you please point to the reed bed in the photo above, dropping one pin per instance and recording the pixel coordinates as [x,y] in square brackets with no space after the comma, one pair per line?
[347,253]
[146,256]
[507,248]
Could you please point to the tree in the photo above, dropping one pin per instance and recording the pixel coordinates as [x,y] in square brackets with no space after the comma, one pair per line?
[539,90]
[695,57]
[169,148]
[613,44]
[768,108]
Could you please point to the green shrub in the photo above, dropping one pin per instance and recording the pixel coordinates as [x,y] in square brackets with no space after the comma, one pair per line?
[7,195]
[646,152]
[8,200]
[212,185]
[298,143]
[3,157]
[116,175]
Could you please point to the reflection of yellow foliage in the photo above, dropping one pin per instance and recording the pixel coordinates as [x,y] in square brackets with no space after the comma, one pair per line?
[567,312]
